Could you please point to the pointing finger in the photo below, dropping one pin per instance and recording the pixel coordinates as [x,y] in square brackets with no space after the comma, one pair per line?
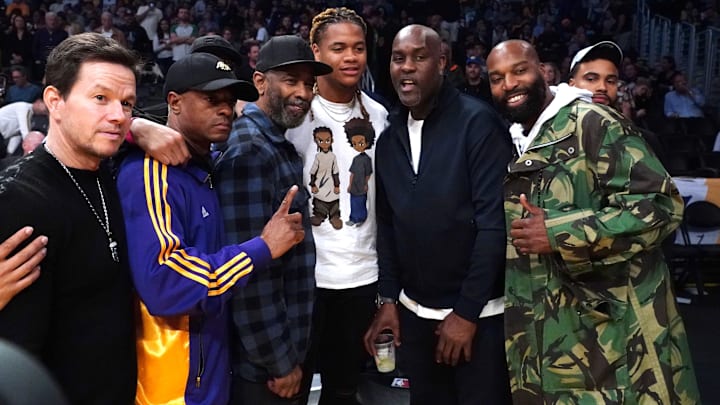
[287,201]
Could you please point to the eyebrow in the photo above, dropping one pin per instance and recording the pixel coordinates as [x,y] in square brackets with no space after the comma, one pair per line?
[514,66]
[345,43]
[100,87]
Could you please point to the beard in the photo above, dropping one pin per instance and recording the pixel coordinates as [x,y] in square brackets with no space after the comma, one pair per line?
[531,108]
[280,115]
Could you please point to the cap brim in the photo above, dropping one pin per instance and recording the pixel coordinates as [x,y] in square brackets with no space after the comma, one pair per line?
[241,89]
[318,68]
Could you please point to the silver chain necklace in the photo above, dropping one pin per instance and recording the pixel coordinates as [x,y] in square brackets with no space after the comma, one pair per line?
[112,244]
[333,110]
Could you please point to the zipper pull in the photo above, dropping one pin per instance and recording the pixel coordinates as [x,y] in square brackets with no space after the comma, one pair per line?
[197,382]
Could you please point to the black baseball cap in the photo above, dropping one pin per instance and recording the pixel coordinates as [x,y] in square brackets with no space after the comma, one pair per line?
[206,72]
[286,50]
[218,46]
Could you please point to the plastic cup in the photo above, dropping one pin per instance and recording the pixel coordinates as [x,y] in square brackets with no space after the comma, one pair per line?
[385,353]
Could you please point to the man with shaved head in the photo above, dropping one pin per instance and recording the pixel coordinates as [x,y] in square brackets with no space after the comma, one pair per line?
[441,236]
[590,312]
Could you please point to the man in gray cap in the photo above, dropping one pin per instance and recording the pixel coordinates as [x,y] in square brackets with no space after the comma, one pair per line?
[272,314]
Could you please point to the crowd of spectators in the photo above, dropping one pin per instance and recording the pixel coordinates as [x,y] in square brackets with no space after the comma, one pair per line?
[162,31]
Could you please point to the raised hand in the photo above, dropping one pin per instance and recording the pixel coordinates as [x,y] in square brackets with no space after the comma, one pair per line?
[529,234]
[284,230]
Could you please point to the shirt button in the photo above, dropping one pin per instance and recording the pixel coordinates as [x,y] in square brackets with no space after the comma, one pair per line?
[528,162]
[571,150]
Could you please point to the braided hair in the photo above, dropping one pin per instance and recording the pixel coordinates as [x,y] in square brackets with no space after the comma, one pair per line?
[336,15]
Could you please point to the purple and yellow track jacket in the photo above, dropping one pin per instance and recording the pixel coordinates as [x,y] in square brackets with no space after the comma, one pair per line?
[184,277]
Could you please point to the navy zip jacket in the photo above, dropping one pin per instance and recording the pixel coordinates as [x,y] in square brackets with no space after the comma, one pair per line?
[441,232]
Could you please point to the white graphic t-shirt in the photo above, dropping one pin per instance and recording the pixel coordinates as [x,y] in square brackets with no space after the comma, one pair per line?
[346,257]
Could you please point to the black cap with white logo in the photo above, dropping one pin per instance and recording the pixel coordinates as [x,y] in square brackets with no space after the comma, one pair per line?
[206,72]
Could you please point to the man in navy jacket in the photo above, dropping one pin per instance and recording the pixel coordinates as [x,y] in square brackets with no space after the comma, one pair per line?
[441,235]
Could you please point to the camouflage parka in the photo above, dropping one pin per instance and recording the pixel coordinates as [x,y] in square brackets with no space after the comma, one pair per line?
[596,321]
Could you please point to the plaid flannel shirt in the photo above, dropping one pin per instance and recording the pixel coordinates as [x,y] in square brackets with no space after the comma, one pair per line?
[273,312]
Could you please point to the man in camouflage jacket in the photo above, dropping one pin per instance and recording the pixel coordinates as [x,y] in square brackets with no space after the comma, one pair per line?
[590,313]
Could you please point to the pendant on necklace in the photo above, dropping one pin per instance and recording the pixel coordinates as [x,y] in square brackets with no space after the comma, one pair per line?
[113,250]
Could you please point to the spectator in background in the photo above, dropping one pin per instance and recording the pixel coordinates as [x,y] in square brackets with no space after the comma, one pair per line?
[229,35]
[108,30]
[639,98]
[551,73]
[304,32]
[17,44]
[630,72]
[595,68]
[476,83]
[16,121]
[182,34]
[683,101]
[261,33]
[499,34]
[287,25]
[208,23]
[149,17]
[45,41]
[246,70]
[136,36]
[31,141]
[664,76]
[684,106]
[436,22]
[549,43]
[453,71]
[162,46]
[22,89]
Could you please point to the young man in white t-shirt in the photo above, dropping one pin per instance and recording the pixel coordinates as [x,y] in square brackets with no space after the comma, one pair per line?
[346,270]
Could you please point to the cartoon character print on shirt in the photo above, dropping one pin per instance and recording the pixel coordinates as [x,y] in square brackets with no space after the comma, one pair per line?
[325,181]
[361,136]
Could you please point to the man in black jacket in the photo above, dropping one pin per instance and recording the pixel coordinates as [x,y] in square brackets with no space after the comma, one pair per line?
[441,236]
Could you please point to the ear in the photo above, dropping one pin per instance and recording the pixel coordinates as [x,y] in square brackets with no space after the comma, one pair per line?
[571,81]
[53,99]
[442,62]
[543,68]
[316,49]
[260,82]
[174,102]
[54,102]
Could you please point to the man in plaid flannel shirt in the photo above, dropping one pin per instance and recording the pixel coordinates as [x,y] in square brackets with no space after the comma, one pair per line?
[272,314]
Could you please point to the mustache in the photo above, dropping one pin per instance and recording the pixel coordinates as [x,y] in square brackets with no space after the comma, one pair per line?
[304,104]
